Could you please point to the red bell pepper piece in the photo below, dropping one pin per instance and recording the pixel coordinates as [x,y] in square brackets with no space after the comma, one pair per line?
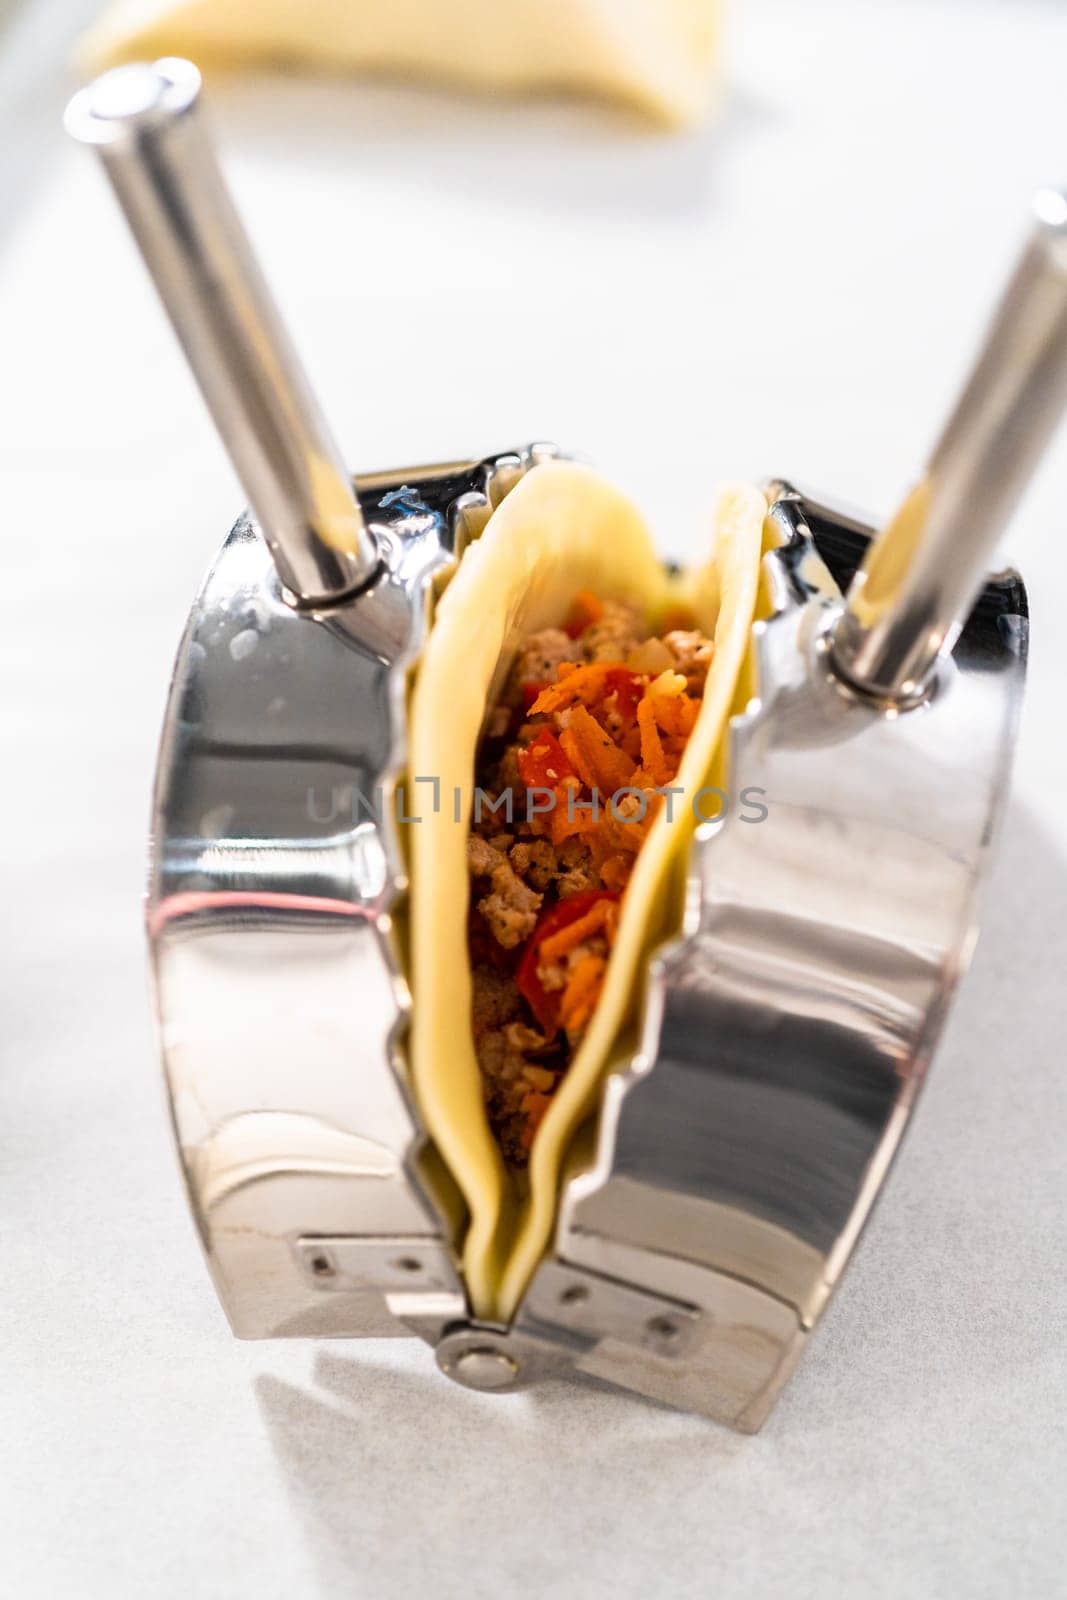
[629,687]
[542,1002]
[543,765]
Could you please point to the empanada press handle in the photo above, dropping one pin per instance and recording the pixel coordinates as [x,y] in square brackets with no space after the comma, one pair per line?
[144,123]
[923,573]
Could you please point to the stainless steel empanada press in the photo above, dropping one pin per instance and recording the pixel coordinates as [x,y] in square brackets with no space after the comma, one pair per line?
[786,1029]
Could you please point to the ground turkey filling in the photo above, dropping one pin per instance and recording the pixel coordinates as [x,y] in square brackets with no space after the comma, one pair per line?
[599,709]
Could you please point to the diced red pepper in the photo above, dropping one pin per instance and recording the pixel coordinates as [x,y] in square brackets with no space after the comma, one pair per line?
[629,686]
[543,1003]
[543,765]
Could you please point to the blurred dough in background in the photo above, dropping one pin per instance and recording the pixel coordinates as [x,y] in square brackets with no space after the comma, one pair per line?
[657,55]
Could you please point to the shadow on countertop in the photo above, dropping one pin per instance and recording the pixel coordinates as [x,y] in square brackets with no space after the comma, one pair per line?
[566,157]
[921,1388]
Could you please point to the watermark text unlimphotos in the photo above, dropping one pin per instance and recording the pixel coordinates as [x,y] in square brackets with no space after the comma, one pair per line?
[425,796]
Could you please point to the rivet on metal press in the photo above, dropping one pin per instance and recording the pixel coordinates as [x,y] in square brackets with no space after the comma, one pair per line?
[482,1368]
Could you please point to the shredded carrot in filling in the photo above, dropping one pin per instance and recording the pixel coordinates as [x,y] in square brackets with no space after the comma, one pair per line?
[594,717]
[652,758]
[582,992]
[599,915]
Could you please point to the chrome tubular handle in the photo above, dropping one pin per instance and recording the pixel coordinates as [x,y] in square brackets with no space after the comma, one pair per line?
[924,571]
[144,123]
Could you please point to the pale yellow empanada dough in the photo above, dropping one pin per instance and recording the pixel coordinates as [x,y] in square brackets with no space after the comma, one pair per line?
[560,530]
[658,55]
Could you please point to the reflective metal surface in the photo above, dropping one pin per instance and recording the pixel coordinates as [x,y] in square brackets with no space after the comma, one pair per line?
[276,872]
[924,570]
[145,124]
[788,1031]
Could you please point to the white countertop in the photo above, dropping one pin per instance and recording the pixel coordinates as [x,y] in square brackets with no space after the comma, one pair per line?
[795,290]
